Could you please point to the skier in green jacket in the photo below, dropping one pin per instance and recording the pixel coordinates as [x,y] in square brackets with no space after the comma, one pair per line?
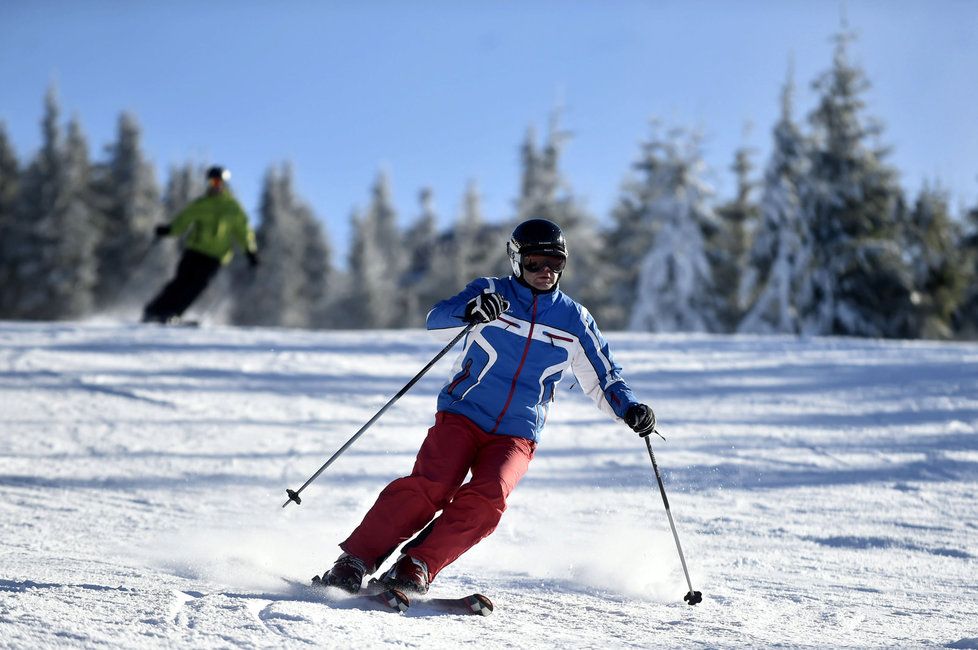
[213,223]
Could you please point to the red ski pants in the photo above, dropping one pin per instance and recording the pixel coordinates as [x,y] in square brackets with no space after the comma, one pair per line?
[470,512]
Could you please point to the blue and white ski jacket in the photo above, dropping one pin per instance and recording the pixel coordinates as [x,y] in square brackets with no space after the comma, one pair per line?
[506,376]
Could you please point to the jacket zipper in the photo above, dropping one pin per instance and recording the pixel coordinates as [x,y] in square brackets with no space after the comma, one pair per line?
[519,368]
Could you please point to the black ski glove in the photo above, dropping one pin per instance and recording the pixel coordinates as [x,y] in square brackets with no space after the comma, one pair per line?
[641,419]
[253,260]
[162,230]
[485,307]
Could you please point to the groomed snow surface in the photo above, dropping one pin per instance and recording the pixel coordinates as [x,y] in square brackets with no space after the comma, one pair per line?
[825,492]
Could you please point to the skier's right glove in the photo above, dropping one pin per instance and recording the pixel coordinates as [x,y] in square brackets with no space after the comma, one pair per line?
[253,260]
[641,419]
[485,308]
[162,230]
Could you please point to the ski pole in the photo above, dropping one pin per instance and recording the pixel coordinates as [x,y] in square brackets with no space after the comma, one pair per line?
[294,494]
[692,597]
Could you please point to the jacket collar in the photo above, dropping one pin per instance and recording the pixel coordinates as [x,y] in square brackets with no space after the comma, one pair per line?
[525,293]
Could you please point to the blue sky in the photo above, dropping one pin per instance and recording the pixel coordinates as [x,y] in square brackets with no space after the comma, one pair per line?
[438,93]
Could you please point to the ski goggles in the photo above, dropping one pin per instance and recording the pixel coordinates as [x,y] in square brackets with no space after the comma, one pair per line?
[536,263]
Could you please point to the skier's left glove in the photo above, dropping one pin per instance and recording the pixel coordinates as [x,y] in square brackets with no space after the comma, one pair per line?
[485,308]
[253,260]
[162,230]
[641,419]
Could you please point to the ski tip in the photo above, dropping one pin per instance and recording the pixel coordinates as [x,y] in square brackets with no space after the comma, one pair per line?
[479,604]
[693,597]
[396,600]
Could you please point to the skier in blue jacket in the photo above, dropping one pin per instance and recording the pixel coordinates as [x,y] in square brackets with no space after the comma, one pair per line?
[490,414]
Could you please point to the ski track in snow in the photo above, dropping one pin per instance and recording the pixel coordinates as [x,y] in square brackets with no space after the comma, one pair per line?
[824,490]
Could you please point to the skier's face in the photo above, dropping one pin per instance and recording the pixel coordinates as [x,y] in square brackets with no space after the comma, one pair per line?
[540,271]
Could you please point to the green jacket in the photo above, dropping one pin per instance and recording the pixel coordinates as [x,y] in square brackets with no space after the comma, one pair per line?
[214,223]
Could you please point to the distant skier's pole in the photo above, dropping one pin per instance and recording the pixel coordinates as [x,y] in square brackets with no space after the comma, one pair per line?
[692,597]
[294,494]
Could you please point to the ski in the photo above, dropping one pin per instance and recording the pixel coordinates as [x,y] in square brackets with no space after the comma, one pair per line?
[475,603]
[174,323]
[393,599]
[376,596]
[390,599]
[471,604]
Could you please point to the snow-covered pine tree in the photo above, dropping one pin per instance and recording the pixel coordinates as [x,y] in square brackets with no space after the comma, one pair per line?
[931,247]
[272,295]
[377,262]
[130,200]
[316,269]
[775,285]
[371,293]
[471,255]
[729,246]
[965,318]
[55,267]
[663,219]
[184,184]
[862,286]
[420,242]
[388,236]
[76,270]
[546,193]
[627,242]
[9,188]
[533,185]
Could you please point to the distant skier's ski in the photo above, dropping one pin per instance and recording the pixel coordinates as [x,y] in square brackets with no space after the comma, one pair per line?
[177,322]
[389,599]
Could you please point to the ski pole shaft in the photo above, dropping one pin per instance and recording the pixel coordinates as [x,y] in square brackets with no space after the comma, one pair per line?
[692,597]
[294,494]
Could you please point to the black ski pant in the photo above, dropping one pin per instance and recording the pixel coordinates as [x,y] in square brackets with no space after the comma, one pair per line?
[194,273]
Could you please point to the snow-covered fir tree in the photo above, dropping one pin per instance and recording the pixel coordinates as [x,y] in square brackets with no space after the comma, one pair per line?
[861,284]
[377,261]
[184,184]
[371,293]
[546,193]
[420,242]
[775,287]
[9,188]
[965,318]
[931,247]
[54,263]
[662,221]
[289,288]
[129,195]
[470,254]
[383,215]
[316,270]
[730,243]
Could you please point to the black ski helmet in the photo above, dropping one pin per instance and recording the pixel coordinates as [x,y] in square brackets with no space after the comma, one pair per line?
[535,237]
[218,173]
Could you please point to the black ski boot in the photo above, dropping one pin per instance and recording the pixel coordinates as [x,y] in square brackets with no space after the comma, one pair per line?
[347,573]
[408,574]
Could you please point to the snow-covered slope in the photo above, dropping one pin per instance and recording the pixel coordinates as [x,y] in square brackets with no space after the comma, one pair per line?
[825,492]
